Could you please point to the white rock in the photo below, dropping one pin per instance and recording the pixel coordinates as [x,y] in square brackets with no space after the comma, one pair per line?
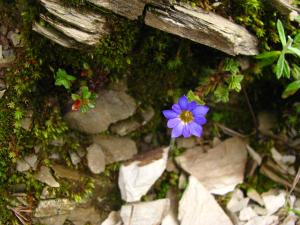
[220,169]
[137,176]
[263,220]
[237,201]
[198,206]
[247,214]
[53,207]
[171,217]
[254,196]
[22,166]
[95,159]
[45,176]
[260,210]
[145,213]
[113,218]
[182,182]
[273,202]
[284,161]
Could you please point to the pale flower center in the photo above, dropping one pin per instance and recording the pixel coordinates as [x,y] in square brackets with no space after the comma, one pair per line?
[186,116]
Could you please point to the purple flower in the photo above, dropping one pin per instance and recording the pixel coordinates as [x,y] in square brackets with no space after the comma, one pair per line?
[186,118]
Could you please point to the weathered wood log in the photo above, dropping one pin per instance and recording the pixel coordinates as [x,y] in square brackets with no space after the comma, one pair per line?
[54,36]
[85,21]
[206,28]
[78,35]
[130,9]
[192,23]
[284,6]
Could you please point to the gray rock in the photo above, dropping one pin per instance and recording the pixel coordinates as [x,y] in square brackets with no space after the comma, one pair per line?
[58,142]
[82,216]
[95,159]
[9,53]
[115,148]
[64,172]
[145,213]
[54,207]
[14,38]
[75,158]
[125,127]
[2,93]
[53,220]
[45,176]
[186,142]
[32,160]
[22,166]
[113,219]
[147,115]
[137,177]
[111,106]
[26,122]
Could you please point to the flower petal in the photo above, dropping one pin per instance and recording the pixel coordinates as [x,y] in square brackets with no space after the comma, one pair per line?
[192,105]
[177,131]
[186,131]
[176,108]
[183,102]
[195,129]
[200,110]
[170,114]
[200,120]
[173,122]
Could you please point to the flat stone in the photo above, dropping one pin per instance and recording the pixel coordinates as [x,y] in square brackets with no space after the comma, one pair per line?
[45,176]
[198,206]
[82,216]
[147,115]
[32,160]
[220,169]
[22,165]
[116,148]
[111,106]
[53,220]
[237,201]
[137,176]
[247,214]
[53,207]
[125,127]
[273,201]
[64,172]
[95,159]
[145,213]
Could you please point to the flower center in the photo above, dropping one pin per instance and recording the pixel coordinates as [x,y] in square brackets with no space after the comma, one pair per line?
[186,116]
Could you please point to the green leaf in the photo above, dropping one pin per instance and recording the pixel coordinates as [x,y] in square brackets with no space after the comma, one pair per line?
[296,72]
[291,89]
[264,55]
[281,33]
[231,65]
[221,94]
[85,92]
[234,82]
[286,69]
[192,97]
[279,66]
[75,97]
[295,51]
[297,38]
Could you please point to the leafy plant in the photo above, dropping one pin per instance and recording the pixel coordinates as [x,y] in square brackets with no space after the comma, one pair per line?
[62,78]
[283,68]
[84,101]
